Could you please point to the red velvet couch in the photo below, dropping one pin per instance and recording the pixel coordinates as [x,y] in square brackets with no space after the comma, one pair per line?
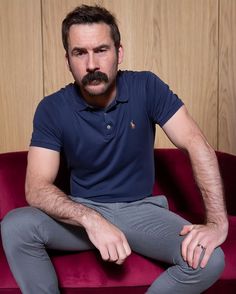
[85,272]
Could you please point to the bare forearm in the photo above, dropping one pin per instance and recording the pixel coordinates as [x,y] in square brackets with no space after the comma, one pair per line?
[186,135]
[101,233]
[207,175]
[58,205]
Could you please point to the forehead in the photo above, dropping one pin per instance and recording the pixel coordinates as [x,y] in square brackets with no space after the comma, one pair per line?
[89,35]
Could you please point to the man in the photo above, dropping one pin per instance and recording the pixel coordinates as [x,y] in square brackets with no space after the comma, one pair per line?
[104,124]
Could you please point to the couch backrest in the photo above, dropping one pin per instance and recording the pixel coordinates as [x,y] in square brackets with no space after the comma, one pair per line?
[12,180]
[173,178]
[227,164]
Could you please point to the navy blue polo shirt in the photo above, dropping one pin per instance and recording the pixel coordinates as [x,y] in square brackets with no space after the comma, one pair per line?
[109,151]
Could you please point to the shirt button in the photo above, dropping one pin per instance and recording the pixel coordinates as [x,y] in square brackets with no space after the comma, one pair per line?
[108,127]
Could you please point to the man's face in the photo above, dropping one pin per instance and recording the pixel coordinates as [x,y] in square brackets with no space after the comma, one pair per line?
[93,58]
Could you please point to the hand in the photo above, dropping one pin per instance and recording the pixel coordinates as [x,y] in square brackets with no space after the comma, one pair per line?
[201,239]
[108,239]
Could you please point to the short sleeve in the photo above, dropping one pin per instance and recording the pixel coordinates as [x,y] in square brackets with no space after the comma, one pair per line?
[46,127]
[162,103]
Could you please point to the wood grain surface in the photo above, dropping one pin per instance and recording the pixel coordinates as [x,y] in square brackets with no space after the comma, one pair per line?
[21,79]
[227,77]
[190,44]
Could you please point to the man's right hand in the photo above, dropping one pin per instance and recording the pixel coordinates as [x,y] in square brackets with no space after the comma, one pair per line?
[43,165]
[107,238]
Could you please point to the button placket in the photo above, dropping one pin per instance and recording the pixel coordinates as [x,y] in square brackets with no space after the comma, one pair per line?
[108,124]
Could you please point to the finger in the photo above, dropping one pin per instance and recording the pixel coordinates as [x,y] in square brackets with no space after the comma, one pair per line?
[186,229]
[104,253]
[121,254]
[189,245]
[198,255]
[123,251]
[127,247]
[113,254]
[207,254]
[193,253]
[184,246]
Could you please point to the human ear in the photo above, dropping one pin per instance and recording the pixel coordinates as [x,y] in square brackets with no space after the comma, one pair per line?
[67,61]
[120,54]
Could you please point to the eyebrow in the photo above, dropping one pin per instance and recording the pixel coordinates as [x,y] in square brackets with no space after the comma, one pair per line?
[81,49]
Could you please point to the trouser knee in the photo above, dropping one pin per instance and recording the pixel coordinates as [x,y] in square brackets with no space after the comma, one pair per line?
[200,278]
[207,276]
[215,266]
[19,227]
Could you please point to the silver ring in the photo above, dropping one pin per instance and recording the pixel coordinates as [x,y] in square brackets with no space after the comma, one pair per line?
[202,247]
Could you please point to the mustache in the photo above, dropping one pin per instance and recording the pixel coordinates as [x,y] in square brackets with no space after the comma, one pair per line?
[94,76]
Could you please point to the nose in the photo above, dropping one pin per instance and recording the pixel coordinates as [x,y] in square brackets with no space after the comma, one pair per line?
[92,64]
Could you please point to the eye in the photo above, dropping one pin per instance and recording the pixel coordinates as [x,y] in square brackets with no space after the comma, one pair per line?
[78,52]
[101,50]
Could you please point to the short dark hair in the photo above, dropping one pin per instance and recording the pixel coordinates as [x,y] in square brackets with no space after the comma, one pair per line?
[86,14]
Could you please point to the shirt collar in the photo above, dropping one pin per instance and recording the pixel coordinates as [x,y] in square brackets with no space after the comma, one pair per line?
[122,88]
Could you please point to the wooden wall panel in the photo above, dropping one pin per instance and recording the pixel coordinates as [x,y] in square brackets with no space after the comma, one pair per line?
[185,54]
[20,71]
[56,74]
[176,39]
[227,77]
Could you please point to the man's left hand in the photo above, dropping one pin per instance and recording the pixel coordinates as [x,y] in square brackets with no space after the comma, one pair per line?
[200,242]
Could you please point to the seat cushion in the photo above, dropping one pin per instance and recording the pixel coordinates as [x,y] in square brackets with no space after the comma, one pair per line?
[86,269]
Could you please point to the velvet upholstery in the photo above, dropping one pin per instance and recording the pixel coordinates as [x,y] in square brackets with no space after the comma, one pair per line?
[85,272]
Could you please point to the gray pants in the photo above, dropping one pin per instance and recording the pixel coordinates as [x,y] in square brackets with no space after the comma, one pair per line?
[150,228]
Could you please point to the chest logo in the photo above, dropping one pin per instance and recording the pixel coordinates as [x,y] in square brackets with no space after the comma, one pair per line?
[132,125]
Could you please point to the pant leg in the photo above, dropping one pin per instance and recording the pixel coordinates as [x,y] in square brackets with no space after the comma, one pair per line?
[153,231]
[26,234]
[150,230]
